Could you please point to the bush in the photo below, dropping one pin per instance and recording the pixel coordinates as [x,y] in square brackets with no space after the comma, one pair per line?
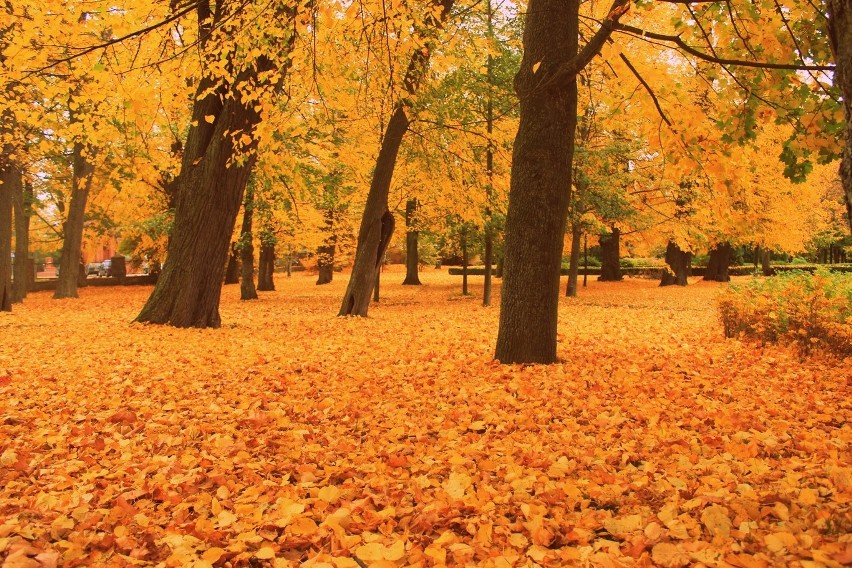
[640,262]
[813,311]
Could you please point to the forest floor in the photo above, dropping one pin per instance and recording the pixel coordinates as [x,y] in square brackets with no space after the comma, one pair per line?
[292,436]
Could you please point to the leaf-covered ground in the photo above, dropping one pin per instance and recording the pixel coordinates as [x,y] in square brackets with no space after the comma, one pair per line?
[291,436]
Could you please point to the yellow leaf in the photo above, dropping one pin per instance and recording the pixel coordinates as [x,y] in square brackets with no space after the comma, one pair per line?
[209,118]
[265,553]
[329,494]
[536,66]
[212,555]
[225,519]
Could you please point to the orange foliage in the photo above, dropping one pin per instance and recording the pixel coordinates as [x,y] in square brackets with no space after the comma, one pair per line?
[292,436]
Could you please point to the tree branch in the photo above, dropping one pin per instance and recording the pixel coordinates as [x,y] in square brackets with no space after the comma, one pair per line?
[647,88]
[712,59]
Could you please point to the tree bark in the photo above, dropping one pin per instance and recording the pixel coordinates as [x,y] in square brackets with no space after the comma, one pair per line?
[412,259]
[541,173]
[840,34]
[82,176]
[232,271]
[247,289]
[611,257]
[377,221]
[211,182]
[266,267]
[22,275]
[719,263]
[679,261]
[574,262]
[325,252]
[10,178]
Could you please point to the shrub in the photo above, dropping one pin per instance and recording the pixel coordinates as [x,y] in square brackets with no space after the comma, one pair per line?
[813,311]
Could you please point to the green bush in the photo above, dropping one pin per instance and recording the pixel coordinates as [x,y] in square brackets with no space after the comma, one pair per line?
[813,311]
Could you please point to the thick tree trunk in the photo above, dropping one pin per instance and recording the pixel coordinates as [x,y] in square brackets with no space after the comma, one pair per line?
[10,179]
[210,189]
[840,33]
[719,263]
[611,257]
[574,262]
[247,289]
[377,286]
[679,261]
[325,253]
[22,275]
[232,271]
[266,268]
[377,222]
[82,175]
[541,173]
[412,259]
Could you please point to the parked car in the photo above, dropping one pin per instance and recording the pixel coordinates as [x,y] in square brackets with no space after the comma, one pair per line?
[106,268]
[93,268]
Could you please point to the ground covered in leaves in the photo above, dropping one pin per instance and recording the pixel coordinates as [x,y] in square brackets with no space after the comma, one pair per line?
[291,436]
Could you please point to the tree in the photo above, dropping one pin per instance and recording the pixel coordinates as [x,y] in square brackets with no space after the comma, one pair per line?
[412,260]
[719,262]
[541,173]
[218,156]
[246,246]
[22,276]
[82,178]
[9,180]
[377,223]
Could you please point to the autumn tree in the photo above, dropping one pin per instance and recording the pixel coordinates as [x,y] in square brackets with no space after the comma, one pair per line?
[546,86]
[377,223]
[242,75]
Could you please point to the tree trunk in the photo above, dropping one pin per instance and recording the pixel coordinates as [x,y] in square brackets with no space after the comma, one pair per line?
[266,267]
[23,270]
[719,263]
[585,260]
[766,262]
[541,173]
[325,252]
[210,190]
[376,287]
[679,261]
[574,262]
[412,259]
[377,222]
[82,176]
[247,289]
[611,257]
[10,178]
[840,34]
[465,291]
[232,272]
